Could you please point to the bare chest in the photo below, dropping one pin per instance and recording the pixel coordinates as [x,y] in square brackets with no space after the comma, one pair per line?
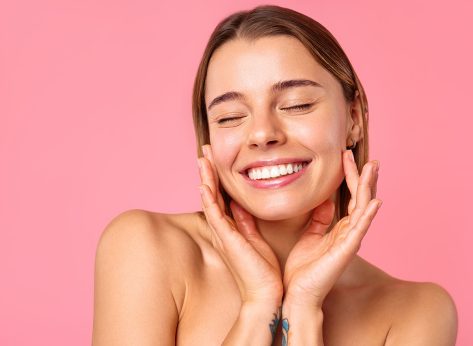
[212,305]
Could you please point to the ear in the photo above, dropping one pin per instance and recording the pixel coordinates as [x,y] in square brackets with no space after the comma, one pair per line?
[354,120]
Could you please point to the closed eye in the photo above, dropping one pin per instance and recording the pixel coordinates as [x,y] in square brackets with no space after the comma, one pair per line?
[296,108]
[227,120]
[299,107]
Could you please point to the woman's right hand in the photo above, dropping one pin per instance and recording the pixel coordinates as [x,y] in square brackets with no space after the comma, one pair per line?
[250,259]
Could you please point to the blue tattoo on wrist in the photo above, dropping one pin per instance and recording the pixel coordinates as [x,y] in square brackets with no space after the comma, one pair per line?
[275,322]
[285,331]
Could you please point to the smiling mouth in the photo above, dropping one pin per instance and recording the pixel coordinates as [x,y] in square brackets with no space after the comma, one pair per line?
[271,172]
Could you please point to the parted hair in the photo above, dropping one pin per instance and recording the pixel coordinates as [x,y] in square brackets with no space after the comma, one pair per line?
[272,20]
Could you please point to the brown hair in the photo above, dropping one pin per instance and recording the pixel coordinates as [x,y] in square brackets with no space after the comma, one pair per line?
[271,20]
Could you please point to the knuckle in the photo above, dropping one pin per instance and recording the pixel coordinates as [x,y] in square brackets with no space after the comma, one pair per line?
[362,183]
[357,209]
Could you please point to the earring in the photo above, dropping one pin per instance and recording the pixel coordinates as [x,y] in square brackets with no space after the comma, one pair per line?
[352,146]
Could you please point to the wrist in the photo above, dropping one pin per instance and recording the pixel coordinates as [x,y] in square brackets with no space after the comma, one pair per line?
[256,325]
[301,312]
[301,300]
[262,306]
[264,303]
[302,324]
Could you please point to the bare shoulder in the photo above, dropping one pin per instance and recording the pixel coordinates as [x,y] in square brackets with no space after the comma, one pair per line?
[408,312]
[152,231]
[137,222]
[142,258]
[424,313]
[170,241]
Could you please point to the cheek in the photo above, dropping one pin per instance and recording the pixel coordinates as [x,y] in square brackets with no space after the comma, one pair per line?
[323,135]
[326,139]
[225,147]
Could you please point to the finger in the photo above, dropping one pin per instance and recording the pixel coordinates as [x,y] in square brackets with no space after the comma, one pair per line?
[207,150]
[223,226]
[351,171]
[322,217]
[357,233]
[207,202]
[209,205]
[211,180]
[207,175]
[248,229]
[351,177]
[219,230]
[363,191]
[374,187]
[216,219]
[210,157]
[245,222]
[233,245]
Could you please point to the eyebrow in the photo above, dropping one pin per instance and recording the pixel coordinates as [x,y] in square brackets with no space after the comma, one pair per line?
[277,87]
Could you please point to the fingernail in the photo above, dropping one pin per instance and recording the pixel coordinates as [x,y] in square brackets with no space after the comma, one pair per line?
[380,203]
[201,189]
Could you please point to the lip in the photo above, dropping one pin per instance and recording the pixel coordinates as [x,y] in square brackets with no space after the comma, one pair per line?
[273,162]
[278,182]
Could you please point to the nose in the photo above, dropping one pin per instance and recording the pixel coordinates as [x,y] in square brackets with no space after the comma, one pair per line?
[266,131]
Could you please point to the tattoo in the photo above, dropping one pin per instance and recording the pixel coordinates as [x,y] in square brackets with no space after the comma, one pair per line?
[285,331]
[275,322]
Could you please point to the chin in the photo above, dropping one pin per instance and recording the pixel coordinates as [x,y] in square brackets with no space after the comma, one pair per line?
[278,212]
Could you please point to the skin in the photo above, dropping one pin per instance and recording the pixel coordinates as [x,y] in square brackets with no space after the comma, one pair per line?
[215,280]
[262,131]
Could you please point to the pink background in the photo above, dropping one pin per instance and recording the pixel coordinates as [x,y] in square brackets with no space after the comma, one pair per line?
[95,119]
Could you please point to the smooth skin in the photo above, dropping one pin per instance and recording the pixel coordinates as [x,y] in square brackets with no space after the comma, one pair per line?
[203,278]
[316,261]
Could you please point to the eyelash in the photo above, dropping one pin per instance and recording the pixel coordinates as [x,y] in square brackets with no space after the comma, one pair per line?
[227,120]
[298,107]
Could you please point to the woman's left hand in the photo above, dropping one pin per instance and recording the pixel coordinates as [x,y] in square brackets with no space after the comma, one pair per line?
[319,258]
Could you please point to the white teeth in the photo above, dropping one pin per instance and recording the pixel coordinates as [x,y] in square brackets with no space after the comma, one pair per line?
[282,169]
[274,171]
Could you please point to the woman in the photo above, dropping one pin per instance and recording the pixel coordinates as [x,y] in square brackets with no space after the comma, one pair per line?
[281,124]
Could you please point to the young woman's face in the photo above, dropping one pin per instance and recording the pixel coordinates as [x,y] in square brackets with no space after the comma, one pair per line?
[260,125]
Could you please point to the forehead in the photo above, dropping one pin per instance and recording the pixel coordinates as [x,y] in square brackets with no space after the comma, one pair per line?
[255,65]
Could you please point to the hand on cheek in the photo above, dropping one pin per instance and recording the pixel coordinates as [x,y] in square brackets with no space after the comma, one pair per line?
[250,259]
[319,258]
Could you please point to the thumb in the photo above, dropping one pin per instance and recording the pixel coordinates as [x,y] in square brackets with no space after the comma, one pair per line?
[244,220]
[321,218]
[247,227]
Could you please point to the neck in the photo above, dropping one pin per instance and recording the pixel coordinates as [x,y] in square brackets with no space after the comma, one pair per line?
[282,235]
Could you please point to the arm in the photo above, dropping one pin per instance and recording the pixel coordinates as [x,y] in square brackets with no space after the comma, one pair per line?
[249,258]
[133,302]
[301,325]
[427,317]
[320,256]
[256,325]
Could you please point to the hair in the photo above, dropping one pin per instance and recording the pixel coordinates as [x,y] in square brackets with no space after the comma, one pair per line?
[270,20]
